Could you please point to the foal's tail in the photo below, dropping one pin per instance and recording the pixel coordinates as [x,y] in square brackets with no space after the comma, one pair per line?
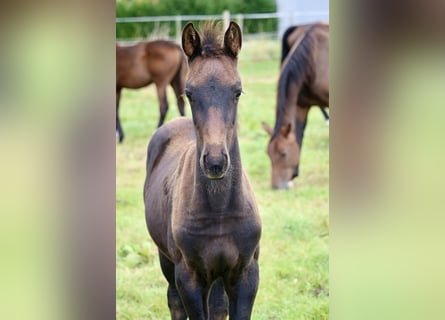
[178,82]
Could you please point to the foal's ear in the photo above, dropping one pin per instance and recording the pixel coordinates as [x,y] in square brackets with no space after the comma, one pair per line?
[191,43]
[232,39]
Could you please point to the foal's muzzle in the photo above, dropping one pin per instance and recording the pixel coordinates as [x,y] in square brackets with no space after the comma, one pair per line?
[214,164]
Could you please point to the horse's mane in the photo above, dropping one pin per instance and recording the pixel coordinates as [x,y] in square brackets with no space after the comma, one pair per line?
[285,48]
[211,38]
[296,69]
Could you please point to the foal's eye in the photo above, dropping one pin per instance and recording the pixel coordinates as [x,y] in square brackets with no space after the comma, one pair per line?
[237,95]
[188,94]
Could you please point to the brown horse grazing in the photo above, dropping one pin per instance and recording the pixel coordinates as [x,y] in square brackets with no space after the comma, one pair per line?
[160,62]
[199,205]
[303,81]
[289,37]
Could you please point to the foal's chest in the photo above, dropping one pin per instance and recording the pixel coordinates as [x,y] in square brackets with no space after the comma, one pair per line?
[218,242]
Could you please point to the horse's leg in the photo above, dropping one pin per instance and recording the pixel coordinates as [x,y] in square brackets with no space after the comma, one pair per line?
[177,311]
[325,114]
[300,126]
[179,97]
[119,131]
[242,291]
[192,292]
[218,303]
[163,102]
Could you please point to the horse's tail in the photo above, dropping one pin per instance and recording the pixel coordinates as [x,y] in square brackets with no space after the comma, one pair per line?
[285,48]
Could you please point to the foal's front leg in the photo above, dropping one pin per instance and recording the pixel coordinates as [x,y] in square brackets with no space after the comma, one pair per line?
[241,291]
[192,293]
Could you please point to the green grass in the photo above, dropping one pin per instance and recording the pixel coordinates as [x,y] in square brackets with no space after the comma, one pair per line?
[294,257]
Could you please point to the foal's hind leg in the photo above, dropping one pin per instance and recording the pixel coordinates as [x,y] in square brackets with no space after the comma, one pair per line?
[177,311]
[218,302]
[163,102]
[119,131]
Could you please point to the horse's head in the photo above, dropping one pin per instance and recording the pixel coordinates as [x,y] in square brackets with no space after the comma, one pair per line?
[213,87]
[284,154]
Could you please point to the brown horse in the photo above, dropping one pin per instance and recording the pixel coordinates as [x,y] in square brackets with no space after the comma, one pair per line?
[199,205]
[160,62]
[303,81]
[290,36]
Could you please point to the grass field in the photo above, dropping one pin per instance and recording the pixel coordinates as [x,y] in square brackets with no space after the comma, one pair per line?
[294,258]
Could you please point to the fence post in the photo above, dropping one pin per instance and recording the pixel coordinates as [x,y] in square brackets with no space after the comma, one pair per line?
[226,18]
[178,28]
[240,20]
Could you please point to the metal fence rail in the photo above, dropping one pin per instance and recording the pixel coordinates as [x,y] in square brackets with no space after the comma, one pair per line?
[222,16]
[226,16]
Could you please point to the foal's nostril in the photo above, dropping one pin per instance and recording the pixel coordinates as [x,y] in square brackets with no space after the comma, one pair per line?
[215,166]
[215,169]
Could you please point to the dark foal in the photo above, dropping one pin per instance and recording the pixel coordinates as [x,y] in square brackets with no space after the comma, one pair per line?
[199,205]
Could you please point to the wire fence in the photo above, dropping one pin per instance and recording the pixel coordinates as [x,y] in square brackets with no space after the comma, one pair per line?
[289,18]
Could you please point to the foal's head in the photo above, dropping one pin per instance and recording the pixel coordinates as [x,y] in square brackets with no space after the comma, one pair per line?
[213,87]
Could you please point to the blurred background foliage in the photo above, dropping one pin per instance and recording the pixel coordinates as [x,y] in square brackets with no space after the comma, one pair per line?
[141,8]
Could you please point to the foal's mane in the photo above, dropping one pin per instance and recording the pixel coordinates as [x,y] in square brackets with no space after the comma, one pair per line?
[297,69]
[211,34]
